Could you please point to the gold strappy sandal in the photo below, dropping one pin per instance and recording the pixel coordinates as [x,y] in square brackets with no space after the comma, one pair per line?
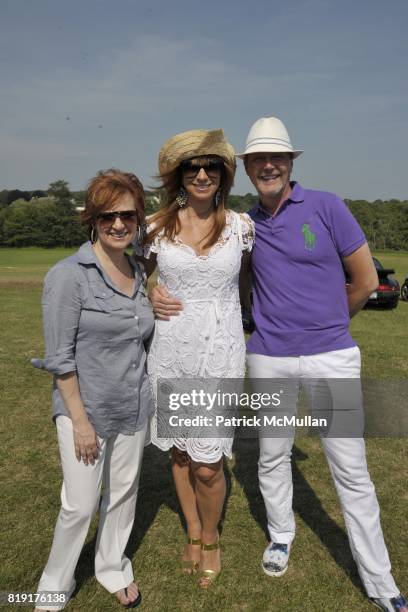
[191,567]
[208,576]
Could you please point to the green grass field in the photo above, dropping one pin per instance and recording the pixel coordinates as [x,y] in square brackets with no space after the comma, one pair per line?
[321,576]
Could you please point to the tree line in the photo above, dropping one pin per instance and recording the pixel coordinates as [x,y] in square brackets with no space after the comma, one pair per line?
[50,218]
[44,220]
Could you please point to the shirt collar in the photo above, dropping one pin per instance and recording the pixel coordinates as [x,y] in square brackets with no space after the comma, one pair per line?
[297,195]
[86,256]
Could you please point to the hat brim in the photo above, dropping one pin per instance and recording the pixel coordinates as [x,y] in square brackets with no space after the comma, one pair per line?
[269,149]
[194,143]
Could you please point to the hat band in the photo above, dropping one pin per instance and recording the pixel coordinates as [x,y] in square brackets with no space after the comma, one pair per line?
[267,140]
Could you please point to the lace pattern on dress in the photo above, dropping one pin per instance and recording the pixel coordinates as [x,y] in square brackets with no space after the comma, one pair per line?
[206,339]
[246,228]
[238,224]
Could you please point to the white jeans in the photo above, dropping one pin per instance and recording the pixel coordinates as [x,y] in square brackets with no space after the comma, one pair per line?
[347,463]
[117,470]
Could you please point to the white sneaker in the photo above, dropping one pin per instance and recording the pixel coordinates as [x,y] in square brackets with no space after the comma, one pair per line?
[275,559]
[391,604]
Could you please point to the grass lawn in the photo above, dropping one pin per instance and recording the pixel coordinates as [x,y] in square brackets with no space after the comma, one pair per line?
[321,575]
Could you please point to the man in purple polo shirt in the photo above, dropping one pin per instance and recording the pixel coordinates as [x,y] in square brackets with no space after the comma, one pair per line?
[302,311]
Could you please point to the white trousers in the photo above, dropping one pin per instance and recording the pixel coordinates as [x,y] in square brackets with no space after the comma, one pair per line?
[117,471]
[348,467]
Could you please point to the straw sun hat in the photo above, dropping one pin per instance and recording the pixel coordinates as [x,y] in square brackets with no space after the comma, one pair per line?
[195,143]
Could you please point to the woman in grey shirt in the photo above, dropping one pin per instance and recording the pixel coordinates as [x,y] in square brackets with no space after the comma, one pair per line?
[97,321]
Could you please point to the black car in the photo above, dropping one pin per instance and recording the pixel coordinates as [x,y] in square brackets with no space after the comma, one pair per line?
[388,291]
[404,290]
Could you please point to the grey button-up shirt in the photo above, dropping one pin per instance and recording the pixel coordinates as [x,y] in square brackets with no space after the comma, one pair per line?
[95,330]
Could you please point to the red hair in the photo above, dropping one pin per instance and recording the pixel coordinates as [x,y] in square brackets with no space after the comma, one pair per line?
[106,188]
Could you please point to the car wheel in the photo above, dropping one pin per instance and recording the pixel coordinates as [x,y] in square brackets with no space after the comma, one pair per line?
[404,291]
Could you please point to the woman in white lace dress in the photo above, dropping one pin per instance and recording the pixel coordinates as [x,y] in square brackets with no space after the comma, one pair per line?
[199,248]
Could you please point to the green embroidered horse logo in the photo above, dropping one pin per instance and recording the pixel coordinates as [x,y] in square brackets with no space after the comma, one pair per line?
[310,237]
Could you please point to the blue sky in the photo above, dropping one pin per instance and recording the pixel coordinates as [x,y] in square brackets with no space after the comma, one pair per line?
[92,84]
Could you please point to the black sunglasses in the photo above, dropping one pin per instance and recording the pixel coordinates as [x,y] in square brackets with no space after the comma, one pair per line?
[210,168]
[123,215]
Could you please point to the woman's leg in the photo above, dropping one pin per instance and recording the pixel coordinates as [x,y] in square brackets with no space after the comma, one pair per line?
[210,490]
[185,487]
[117,511]
[79,500]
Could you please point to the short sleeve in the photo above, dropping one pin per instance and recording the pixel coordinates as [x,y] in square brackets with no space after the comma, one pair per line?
[345,230]
[247,231]
[61,304]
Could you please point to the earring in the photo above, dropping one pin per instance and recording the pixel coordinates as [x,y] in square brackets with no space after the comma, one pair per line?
[94,235]
[217,198]
[182,197]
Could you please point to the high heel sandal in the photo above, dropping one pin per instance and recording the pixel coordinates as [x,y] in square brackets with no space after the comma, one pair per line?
[208,576]
[190,566]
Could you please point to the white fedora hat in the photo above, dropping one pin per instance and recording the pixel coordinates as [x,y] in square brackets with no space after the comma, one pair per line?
[269,135]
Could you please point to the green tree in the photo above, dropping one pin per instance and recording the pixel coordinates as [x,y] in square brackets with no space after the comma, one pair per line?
[70,231]
[39,223]
[385,223]
[3,198]
[242,203]
[19,225]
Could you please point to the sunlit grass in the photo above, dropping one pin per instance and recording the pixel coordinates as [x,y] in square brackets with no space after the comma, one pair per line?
[322,575]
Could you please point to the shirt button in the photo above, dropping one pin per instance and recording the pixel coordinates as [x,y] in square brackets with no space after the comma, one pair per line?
[136,317]
[133,365]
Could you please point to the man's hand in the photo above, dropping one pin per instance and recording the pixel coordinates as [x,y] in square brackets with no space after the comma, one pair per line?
[164,305]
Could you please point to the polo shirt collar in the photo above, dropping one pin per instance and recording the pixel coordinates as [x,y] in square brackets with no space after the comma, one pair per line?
[297,196]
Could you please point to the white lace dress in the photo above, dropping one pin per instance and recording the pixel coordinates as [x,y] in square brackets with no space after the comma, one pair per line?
[206,340]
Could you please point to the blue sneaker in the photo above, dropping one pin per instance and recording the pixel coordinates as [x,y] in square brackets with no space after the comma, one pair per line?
[393,604]
[275,559]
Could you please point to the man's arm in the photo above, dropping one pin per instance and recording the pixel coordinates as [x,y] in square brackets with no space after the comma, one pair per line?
[245,281]
[164,305]
[363,278]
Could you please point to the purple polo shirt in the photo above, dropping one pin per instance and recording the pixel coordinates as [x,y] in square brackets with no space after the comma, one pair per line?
[299,294]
